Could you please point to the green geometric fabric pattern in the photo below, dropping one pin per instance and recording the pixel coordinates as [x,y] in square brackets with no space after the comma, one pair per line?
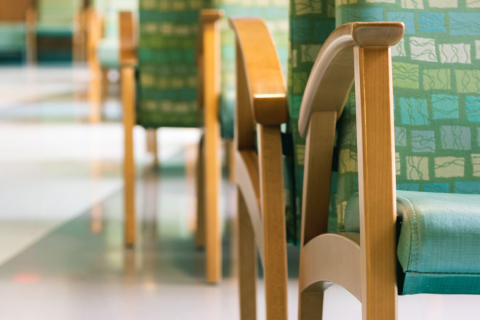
[311,22]
[167,93]
[436,79]
[275,13]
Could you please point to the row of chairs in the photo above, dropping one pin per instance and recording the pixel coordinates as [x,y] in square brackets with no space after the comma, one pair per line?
[381,200]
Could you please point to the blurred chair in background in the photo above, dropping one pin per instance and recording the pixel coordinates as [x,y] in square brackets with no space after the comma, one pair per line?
[52,30]
[159,87]
[216,98]
[13,29]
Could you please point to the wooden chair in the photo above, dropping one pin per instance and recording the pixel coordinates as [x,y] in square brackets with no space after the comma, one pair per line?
[158,90]
[52,28]
[270,162]
[216,62]
[432,148]
[417,174]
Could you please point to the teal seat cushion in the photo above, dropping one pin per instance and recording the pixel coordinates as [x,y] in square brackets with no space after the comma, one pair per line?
[438,241]
[108,53]
[12,37]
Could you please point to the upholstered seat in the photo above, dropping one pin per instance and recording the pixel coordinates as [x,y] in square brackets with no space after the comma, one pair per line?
[438,241]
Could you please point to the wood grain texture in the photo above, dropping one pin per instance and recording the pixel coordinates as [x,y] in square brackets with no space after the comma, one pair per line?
[248,182]
[377,189]
[265,83]
[318,174]
[332,75]
[212,163]
[128,102]
[247,254]
[244,122]
[273,213]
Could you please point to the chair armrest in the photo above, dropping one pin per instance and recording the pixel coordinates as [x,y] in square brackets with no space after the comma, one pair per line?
[332,75]
[128,39]
[208,19]
[264,77]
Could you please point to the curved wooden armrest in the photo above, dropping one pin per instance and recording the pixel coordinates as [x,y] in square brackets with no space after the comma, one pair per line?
[333,72]
[265,82]
[128,39]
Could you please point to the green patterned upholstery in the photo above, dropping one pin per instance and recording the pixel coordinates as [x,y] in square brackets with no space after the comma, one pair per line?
[311,21]
[168,38]
[436,79]
[275,13]
[12,37]
[109,46]
[167,72]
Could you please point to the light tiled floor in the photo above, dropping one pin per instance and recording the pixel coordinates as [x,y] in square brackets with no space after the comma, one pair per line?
[61,252]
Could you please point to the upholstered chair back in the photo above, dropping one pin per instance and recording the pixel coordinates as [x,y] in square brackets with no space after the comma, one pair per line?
[167,72]
[436,79]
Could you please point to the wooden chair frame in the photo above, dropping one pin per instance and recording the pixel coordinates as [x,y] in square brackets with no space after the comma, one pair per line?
[209,168]
[261,102]
[365,263]
[128,63]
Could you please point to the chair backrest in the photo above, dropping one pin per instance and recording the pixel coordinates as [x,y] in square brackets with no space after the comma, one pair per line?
[167,72]
[436,79]
[57,13]
[275,14]
[109,10]
[311,21]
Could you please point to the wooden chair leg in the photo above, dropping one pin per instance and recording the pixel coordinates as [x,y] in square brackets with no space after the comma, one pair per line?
[310,305]
[248,262]
[128,101]
[212,171]
[200,185]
